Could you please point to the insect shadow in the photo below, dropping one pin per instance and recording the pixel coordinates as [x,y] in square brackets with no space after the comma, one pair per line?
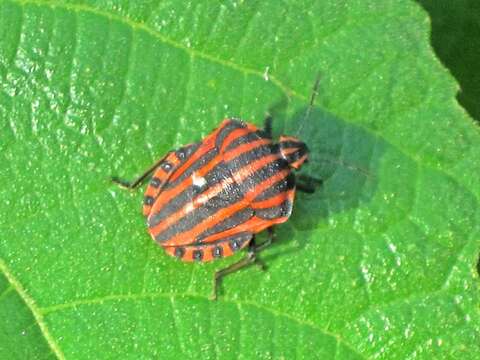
[345,157]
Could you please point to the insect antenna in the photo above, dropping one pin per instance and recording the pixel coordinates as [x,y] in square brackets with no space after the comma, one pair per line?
[311,103]
[326,159]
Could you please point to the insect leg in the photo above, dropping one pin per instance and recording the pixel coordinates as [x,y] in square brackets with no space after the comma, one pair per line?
[308,189]
[267,126]
[268,242]
[138,181]
[307,184]
[250,258]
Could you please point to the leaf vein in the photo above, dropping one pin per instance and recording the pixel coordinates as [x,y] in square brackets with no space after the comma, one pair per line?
[239,303]
[34,309]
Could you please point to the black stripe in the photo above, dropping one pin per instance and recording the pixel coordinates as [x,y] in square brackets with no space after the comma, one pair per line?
[228,196]
[172,206]
[217,174]
[245,139]
[241,237]
[235,219]
[249,157]
[228,128]
[281,186]
[220,172]
[266,172]
[223,199]
[291,144]
[282,210]
[202,161]
[296,155]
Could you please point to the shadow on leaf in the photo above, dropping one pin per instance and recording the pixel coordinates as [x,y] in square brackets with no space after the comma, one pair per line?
[345,157]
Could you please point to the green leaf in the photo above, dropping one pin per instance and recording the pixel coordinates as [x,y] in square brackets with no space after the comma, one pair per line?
[379,263]
[21,335]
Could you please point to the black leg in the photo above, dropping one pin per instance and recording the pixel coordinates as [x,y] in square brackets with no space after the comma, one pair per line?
[308,189]
[268,242]
[250,258]
[138,181]
[307,184]
[267,126]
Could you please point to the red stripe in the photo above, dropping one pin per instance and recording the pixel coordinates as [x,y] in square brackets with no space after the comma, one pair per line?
[201,199]
[188,236]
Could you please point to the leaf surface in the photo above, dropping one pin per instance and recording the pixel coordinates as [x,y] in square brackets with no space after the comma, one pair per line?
[379,263]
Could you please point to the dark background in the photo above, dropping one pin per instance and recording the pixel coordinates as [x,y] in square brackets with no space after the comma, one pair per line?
[456,40]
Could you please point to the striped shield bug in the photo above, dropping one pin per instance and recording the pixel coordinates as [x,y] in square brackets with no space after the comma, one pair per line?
[207,200]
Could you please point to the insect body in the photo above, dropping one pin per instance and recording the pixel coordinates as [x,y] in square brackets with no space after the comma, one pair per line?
[207,200]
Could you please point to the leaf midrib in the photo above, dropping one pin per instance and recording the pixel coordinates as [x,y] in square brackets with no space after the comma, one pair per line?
[199,297]
[34,309]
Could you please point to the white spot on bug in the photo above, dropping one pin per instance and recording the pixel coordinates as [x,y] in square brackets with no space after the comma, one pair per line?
[202,199]
[189,207]
[198,181]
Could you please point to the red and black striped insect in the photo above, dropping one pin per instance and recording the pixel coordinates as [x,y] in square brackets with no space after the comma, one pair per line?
[207,200]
